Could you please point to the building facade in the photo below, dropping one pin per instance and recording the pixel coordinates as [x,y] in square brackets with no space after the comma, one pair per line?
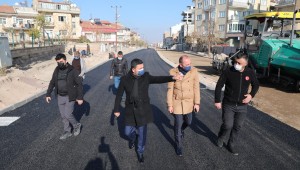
[225,18]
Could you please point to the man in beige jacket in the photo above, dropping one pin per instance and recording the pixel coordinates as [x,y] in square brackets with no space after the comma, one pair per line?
[183,98]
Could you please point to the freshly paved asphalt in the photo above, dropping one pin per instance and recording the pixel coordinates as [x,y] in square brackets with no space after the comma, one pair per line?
[32,142]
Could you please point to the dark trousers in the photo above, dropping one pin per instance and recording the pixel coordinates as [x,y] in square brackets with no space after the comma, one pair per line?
[131,133]
[233,118]
[66,109]
[181,123]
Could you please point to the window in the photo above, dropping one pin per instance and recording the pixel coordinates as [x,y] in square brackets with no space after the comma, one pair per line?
[58,7]
[252,1]
[19,21]
[222,1]
[236,27]
[221,27]
[249,27]
[63,32]
[213,14]
[222,14]
[62,18]
[199,17]
[263,2]
[200,5]
[48,18]
[2,21]
[73,25]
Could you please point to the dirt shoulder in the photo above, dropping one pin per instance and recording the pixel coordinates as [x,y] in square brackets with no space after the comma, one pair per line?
[21,84]
[278,103]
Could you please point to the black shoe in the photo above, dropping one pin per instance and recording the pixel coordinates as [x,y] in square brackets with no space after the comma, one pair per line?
[219,143]
[179,151]
[233,151]
[141,158]
[131,145]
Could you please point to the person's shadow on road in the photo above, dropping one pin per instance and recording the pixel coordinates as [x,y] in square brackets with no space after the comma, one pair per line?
[119,121]
[161,120]
[112,89]
[105,148]
[80,110]
[200,128]
[98,163]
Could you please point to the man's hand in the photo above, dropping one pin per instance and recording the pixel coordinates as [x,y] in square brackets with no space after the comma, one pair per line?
[117,114]
[218,105]
[247,99]
[196,107]
[111,77]
[170,109]
[48,99]
[178,77]
[79,102]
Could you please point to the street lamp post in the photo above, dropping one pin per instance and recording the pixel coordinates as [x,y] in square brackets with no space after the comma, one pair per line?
[116,7]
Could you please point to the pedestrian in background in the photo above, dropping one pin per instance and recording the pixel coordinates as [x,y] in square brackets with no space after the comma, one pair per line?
[138,112]
[79,64]
[183,97]
[119,68]
[237,80]
[88,50]
[68,89]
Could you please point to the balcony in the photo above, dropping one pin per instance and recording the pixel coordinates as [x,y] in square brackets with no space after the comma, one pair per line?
[208,7]
[242,4]
[235,18]
[284,3]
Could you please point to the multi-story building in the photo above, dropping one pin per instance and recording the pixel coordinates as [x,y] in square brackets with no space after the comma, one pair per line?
[63,18]
[225,18]
[187,26]
[15,21]
[289,6]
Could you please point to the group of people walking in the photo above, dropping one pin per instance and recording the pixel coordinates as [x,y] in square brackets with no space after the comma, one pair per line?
[183,98]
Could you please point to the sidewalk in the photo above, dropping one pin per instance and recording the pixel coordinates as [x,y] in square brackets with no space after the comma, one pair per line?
[283,106]
[19,87]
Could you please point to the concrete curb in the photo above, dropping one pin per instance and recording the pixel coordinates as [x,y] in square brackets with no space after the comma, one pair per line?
[43,92]
[210,84]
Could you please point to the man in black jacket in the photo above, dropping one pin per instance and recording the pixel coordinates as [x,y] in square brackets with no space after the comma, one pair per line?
[118,69]
[68,88]
[138,112]
[237,80]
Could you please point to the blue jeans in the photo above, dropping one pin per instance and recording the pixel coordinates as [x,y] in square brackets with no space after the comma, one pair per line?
[130,132]
[117,80]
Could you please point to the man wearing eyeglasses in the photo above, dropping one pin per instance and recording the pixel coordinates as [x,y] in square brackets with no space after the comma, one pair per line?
[237,80]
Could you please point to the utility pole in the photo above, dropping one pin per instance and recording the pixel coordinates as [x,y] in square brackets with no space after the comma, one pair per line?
[293,24]
[117,16]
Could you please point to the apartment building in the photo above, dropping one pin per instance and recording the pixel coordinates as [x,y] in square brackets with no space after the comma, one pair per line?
[63,18]
[225,18]
[15,21]
[290,6]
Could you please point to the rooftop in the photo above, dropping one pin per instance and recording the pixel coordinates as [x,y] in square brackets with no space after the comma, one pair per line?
[7,9]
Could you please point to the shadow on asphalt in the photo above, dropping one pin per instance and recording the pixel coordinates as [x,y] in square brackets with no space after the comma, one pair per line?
[80,110]
[161,120]
[119,121]
[200,128]
[86,88]
[112,89]
[98,164]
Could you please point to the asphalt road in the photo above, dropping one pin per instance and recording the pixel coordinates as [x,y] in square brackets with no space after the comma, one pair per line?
[32,142]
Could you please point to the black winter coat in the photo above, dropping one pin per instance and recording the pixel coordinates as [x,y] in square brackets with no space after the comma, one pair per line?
[74,84]
[119,67]
[140,113]
[236,85]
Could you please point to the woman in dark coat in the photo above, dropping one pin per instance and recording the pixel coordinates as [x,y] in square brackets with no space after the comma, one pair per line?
[138,112]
